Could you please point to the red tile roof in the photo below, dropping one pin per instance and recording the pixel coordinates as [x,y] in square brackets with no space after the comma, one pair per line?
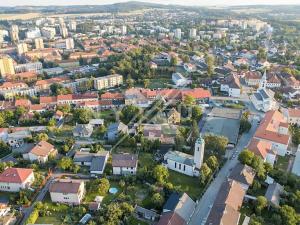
[294,112]
[171,218]
[269,128]
[48,99]
[15,175]
[260,147]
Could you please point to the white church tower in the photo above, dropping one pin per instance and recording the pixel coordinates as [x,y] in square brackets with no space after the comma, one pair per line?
[263,81]
[199,152]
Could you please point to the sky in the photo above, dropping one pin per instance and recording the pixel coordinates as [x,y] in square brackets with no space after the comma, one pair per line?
[180,2]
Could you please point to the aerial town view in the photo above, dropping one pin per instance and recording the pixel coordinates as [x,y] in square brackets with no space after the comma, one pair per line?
[150,113]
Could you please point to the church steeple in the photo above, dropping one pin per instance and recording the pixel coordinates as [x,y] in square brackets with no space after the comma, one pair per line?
[263,81]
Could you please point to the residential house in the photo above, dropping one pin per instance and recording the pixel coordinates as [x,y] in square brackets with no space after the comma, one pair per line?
[16,179]
[83,130]
[274,129]
[273,81]
[178,209]
[146,213]
[263,149]
[189,67]
[227,204]
[293,116]
[95,161]
[243,174]
[67,191]
[41,152]
[115,129]
[124,164]
[273,194]
[252,78]
[173,116]
[231,85]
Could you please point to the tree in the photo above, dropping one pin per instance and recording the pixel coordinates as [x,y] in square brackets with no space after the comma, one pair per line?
[160,174]
[146,83]
[210,61]
[41,137]
[157,199]
[129,113]
[82,116]
[262,54]
[103,186]
[179,141]
[196,113]
[205,173]
[245,125]
[246,157]
[194,132]
[212,162]
[216,143]
[65,163]
[174,61]
[260,203]
[189,100]
[289,215]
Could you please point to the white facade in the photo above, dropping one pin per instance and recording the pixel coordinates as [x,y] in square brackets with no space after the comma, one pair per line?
[124,170]
[179,80]
[232,92]
[48,32]
[69,198]
[22,48]
[34,33]
[29,67]
[16,187]
[177,34]
[199,152]
[108,81]
[69,43]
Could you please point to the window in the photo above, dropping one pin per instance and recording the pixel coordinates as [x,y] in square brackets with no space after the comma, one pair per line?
[180,166]
[175,164]
[183,167]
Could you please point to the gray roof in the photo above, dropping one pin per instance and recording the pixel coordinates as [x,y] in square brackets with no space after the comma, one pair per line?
[87,156]
[273,193]
[182,204]
[263,93]
[124,160]
[116,126]
[83,128]
[180,157]
[98,163]
[147,212]
[258,96]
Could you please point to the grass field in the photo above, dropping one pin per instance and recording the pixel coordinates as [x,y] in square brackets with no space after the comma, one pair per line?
[25,16]
[190,185]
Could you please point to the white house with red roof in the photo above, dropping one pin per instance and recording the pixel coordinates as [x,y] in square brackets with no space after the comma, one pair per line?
[274,129]
[15,179]
[263,149]
[41,152]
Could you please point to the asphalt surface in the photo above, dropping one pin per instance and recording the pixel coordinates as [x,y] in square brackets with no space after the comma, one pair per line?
[205,203]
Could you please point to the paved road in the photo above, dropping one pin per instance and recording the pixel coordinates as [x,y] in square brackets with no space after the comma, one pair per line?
[40,197]
[204,205]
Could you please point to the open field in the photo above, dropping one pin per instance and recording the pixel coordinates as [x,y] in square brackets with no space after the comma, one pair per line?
[25,16]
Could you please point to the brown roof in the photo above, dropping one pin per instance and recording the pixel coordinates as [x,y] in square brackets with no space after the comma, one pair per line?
[124,160]
[171,218]
[243,174]
[228,201]
[65,186]
[43,148]
[15,175]
[253,75]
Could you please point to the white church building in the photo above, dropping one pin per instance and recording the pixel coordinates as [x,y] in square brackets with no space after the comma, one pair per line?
[263,98]
[185,163]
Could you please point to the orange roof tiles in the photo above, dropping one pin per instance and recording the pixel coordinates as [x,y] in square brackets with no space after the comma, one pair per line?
[260,147]
[15,175]
[269,128]
[294,112]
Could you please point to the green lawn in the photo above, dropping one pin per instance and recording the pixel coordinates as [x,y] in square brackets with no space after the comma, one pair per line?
[160,83]
[146,160]
[134,221]
[190,185]
[55,220]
